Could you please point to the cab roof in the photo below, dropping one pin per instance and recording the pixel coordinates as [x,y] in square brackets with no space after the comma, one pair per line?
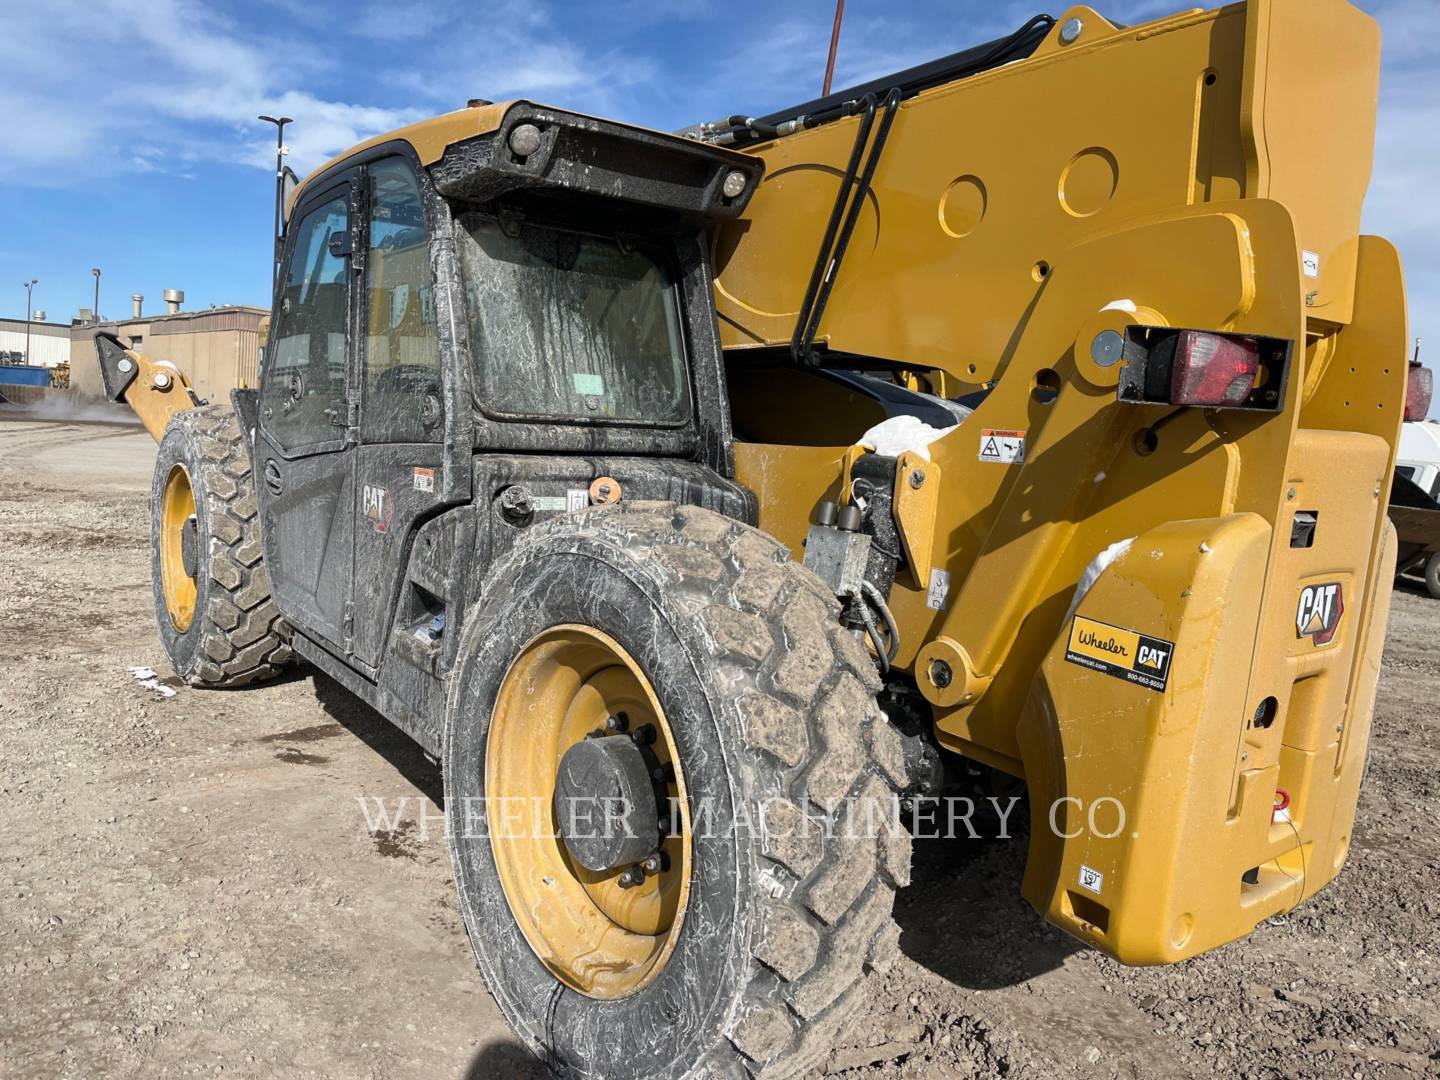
[428,138]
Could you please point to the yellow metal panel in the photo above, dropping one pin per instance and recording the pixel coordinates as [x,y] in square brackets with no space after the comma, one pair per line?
[916,499]
[1312,71]
[988,183]
[1143,806]
[789,481]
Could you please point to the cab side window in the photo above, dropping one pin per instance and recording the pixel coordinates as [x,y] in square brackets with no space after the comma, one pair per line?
[302,396]
[402,401]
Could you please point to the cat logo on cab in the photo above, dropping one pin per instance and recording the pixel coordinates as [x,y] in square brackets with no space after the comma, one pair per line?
[1318,614]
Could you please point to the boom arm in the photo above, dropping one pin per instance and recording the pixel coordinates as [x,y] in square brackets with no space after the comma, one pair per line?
[155,389]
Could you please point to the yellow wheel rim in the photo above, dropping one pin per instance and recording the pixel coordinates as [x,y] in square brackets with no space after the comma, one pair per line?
[177,507]
[594,936]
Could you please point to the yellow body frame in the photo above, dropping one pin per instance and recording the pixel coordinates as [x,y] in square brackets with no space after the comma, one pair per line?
[1180,173]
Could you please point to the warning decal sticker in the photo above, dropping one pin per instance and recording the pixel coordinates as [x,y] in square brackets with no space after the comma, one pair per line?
[425,480]
[1125,654]
[1002,447]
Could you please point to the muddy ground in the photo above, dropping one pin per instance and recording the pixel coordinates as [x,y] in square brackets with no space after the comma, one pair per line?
[190,886]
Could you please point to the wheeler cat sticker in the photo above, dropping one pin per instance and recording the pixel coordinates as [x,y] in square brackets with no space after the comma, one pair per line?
[375,505]
[1125,654]
[1317,616]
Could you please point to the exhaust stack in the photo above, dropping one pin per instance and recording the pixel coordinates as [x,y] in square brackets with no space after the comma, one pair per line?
[136,299]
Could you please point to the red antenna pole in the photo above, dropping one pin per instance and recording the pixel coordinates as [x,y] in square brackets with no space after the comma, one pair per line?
[834,42]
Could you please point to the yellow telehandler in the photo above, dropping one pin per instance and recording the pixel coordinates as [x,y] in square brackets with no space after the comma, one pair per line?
[711,505]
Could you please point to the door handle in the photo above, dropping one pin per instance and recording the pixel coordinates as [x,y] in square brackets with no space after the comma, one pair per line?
[273,482]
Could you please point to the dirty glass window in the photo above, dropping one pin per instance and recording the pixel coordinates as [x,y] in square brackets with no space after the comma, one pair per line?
[402,401]
[569,325]
[302,396]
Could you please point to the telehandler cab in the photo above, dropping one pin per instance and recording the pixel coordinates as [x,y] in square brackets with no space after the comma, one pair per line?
[1060,364]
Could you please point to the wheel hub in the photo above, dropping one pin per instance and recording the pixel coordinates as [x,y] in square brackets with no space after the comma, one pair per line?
[605,803]
[190,546]
[580,765]
[179,548]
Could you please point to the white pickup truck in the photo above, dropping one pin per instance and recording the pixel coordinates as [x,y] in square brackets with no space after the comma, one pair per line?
[1415,502]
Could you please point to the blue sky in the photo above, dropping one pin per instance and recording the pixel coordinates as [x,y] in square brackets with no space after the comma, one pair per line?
[130,140]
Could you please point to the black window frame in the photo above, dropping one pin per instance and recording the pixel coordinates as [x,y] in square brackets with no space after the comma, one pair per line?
[346,181]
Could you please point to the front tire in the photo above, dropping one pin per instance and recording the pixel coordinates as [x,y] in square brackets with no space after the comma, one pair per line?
[217,621]
[770,707]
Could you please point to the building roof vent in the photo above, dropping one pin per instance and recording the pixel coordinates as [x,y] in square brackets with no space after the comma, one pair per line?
[173,299]
[39,316]
[136,300]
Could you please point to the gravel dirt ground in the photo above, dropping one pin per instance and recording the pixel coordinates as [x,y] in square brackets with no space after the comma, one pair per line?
[192,885]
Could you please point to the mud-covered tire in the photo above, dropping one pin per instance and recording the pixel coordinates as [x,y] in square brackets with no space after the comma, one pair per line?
[772,705]
[236,635]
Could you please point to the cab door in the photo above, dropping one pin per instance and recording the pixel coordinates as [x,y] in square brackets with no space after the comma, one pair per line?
[304,451]
[400,456]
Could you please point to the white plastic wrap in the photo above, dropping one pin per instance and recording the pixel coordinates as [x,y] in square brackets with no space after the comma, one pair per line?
[1094,570]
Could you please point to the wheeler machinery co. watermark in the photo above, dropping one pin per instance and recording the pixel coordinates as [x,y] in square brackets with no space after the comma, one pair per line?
[922,818]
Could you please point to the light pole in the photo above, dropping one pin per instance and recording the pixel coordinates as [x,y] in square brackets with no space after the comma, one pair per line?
[96,271]
[280,152]
[29,288]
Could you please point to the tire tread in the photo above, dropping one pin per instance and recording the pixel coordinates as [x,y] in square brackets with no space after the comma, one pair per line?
[243,637]
[766,612]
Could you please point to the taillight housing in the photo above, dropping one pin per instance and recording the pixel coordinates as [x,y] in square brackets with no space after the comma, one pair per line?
[1419,388]
[1204,369]
[1212,369]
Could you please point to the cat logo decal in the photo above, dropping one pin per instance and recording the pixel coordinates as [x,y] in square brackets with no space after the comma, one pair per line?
[1318,614]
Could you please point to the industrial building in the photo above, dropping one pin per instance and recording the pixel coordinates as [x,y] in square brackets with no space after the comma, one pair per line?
[49,343]
[217,348]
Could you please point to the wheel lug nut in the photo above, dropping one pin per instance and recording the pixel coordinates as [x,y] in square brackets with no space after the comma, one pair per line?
[664,773]
[644,734]
[617,723]
[655,863]
[630,878]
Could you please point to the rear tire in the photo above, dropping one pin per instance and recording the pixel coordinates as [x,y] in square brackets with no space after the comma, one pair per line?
[217,621]
[772,708]
[1432,575]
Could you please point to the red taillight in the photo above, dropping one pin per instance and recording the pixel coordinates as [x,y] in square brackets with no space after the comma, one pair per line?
[1213,370]
[1419,386]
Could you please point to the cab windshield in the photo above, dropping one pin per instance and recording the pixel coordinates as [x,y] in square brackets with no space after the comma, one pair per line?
[568,325]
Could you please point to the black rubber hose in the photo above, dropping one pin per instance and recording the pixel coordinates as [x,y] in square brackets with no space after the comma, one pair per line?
[822,259]
[857,204]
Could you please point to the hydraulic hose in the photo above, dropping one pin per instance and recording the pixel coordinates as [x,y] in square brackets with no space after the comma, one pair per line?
[892,631]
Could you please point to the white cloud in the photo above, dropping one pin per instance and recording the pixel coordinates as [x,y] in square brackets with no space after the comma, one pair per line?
[173,82]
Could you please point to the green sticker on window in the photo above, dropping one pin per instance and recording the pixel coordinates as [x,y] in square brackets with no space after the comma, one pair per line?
[588,385]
